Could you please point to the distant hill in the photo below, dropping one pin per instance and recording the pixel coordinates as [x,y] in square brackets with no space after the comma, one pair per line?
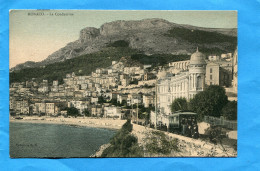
[148,37]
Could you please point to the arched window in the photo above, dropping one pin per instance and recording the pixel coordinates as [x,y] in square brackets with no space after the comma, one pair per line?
[199,82]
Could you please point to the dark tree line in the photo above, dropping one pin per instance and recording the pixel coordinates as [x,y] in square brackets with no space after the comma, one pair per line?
[211,102]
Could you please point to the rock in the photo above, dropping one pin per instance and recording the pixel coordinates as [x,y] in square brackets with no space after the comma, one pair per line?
[148,36]
[88,34]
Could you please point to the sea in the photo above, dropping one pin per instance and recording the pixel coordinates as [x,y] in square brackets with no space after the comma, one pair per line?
[37,140]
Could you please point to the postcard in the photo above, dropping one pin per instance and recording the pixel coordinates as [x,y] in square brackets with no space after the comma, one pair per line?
[123,83]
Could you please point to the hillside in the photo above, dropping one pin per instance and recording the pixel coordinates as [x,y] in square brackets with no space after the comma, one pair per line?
[85,64]
[148,36]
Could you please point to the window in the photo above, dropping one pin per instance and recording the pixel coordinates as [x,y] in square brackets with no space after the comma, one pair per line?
[211,77]
[210,70]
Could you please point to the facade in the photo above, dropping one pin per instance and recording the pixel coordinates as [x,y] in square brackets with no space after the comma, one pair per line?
[40,108]
[213,58]
[46,108]
[121,98]
[212,74]
[148,100]
[112,112]
[184,84]
[219,73]
[20,106]
[51,109]
[182,65]
[97,111]
[80,105]
[134,99]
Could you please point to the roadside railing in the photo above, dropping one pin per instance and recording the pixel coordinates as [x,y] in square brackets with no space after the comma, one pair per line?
[221,122]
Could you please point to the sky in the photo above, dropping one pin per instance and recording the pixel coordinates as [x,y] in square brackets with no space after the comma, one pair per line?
[34,37]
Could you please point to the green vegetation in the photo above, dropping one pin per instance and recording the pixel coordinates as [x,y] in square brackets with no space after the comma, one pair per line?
[200,36]
[229,111]
[209,102]
[101,100]
[82,65]
[158,143]
[119,43]
[179,104]
[124,144]
[216,134]
[203,38]
[72,111]
[86,113]
[85,64]
[158,59]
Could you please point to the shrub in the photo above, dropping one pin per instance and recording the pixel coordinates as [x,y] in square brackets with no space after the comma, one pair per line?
[229,111]
[158,143]
[127,126]
[123,144]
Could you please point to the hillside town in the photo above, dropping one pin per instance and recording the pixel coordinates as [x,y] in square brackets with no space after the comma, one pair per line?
[121,92]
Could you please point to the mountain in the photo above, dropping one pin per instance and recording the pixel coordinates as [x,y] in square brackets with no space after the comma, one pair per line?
[148,36]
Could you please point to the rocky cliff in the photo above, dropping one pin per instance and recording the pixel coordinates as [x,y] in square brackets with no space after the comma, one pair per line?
[149,36]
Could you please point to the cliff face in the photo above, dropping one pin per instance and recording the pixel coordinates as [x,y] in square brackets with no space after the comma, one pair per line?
[148,36]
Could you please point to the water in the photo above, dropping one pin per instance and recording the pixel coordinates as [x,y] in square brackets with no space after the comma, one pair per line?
[55,141]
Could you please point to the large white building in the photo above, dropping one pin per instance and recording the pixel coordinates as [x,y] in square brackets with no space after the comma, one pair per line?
[184,84]
[112,112]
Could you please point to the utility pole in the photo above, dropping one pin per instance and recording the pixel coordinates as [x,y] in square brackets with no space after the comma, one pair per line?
[137,113]
[156,104]
[132,110]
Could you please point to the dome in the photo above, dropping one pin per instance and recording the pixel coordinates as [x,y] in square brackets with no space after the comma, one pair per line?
[197,58]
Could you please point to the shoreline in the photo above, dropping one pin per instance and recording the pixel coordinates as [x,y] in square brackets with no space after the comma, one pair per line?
[84,122]
[104,123]
[189,147]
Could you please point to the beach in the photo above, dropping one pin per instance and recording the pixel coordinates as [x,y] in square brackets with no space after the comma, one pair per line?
[188,146]
[107,123]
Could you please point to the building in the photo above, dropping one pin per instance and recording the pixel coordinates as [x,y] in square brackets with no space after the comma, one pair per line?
[148,100]
[51,109]
[219,73]
[46,108]
[97,110]
[134,99]
[80,105]
[185,84]
[39,108]
[213,58]
[112,112]
[212,74]
[149,76]
[55,83]
[182,65]
[20,106]
[121,98]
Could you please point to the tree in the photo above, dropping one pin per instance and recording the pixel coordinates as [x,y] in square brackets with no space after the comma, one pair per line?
[209,102]
[179,104]
[229,111]
[86,113]
[72,111]
[124,103]
[101,100]
[113,102]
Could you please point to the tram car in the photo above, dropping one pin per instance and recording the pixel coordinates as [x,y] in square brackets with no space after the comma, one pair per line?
[184,123]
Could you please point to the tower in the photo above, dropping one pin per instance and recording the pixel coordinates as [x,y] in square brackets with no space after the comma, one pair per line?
[197,71]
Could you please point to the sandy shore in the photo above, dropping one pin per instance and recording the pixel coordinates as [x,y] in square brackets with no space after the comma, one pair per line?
[88,122]
[188,146]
